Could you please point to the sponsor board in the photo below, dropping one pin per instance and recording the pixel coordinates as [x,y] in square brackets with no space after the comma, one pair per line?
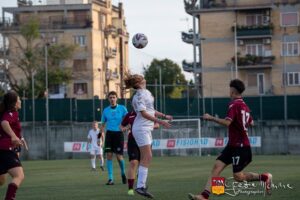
[174,143]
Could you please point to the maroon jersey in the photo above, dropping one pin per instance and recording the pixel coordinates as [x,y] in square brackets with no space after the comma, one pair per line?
[13,119]
[128,120]
[239,115]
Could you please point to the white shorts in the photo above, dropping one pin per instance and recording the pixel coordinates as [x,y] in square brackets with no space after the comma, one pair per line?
[98,151]
[142,137]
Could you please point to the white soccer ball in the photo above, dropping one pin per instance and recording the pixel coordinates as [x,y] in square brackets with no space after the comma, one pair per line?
[139,40]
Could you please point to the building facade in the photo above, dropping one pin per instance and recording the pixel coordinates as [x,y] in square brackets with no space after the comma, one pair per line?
[98,30]
[256,41]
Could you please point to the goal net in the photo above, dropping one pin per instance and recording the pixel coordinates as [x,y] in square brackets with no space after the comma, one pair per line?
[182,139]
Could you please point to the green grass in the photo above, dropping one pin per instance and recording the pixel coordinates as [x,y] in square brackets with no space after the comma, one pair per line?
[171,178]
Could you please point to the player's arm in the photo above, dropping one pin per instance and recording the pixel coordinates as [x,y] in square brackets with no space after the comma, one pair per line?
[154,119]
[162,115]
[224,122]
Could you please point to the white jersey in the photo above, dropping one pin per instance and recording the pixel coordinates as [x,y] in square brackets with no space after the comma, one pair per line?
[143,101]
[93,135]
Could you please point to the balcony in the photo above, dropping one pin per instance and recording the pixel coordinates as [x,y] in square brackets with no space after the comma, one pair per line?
[111,30]
[110,52]
[255,62]
[194,7]
[188,38]
[58,23]
[110,75]
[189,66]
[254,31]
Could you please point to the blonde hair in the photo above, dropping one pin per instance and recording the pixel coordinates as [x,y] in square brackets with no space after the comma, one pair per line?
[132,81]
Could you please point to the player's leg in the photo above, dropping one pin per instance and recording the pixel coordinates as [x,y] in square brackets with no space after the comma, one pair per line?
[109,155]
[118,149]
[218,167]
[93,159]
[2,179]
[146,157]
[221,162]
[17,175]
[242,157]
[101,160]
[134,157]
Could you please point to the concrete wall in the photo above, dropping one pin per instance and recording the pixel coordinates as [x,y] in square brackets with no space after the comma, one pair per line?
[274,139]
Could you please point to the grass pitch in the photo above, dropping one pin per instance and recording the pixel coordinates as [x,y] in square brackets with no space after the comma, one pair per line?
[170,178]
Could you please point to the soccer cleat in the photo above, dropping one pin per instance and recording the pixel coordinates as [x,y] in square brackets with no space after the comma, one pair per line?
[102,168]
[93,169]
[268,183]
[130,192]
[196,197]
[110,182]
[143,192]
[124,179]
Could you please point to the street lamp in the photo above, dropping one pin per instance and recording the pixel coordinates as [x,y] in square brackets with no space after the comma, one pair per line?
[47,99]
[235,51]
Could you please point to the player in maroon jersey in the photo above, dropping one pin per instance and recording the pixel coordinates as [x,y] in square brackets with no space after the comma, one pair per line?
[10,142]
[132,150]
[238,150]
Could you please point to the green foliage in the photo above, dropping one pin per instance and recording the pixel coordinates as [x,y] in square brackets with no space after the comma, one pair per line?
[31,60]
[30,31]
[171,75]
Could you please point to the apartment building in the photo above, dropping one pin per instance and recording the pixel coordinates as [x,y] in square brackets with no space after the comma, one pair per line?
[98,30]
[256,41]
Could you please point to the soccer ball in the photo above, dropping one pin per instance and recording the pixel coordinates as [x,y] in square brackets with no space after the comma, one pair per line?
[139,40]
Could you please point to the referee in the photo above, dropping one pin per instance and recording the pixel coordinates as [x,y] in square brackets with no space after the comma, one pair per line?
[114,139]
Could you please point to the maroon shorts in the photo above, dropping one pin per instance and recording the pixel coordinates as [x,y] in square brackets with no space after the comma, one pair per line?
[8,160]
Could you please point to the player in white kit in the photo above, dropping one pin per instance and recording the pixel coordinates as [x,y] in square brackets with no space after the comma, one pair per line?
[143,104]
[96,143]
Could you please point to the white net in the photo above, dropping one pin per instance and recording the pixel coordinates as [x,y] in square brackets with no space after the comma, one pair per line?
[182,130]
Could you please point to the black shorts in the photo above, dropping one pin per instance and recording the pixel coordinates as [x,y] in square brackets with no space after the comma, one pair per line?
[133,150]
[114,142]
[239,157]
[8,160]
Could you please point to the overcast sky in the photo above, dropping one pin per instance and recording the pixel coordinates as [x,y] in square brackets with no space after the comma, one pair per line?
[161,21]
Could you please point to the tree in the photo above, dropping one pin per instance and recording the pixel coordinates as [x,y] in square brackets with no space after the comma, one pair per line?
[28,56]
[171,75]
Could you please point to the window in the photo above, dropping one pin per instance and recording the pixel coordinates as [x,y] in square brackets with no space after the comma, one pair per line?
[289,19]
[79,65]
[257,81]
[80,88]
[80,40]
[253,20]
[293,78]
[290,49]
[54,89]
[102,21]
[254,49]
[252,80]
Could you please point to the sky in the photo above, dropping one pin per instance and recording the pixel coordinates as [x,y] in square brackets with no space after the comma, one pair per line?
[161,21]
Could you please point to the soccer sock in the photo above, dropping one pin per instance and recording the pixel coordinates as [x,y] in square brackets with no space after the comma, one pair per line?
[101,161]
[130,183]
[263,177]
[11,191]
[93,162]
[142,178]
[205,194]
[109,165]
[122,166]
